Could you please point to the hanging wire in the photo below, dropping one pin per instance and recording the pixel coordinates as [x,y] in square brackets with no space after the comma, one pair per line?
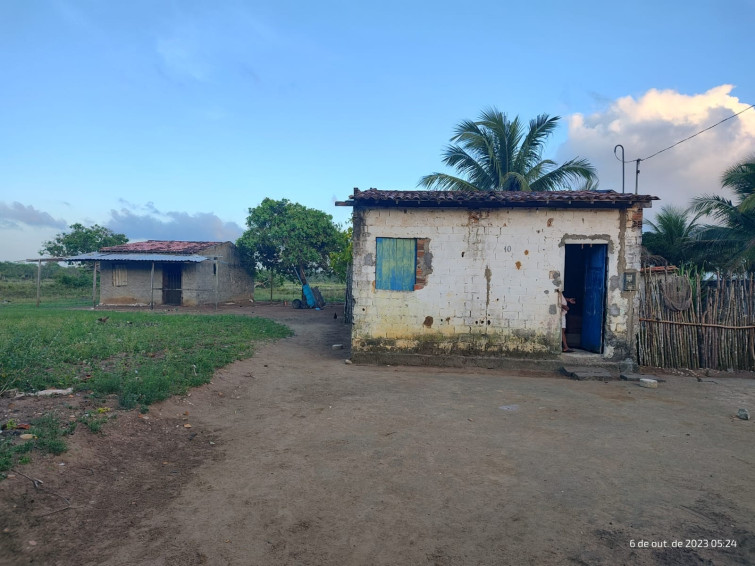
[685,139]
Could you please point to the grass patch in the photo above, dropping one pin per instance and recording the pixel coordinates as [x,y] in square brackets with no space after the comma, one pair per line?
[94,421]
[141,357]
[48,437]
[332,292]
[25,291]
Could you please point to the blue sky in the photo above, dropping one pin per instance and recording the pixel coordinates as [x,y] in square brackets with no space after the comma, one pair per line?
[170,119]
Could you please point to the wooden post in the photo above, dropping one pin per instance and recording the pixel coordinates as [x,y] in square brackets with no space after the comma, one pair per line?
[94,284]
[152,287]
[39,279]
[216,284]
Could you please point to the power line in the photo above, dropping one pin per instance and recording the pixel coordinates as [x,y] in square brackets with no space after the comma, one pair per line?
[688,138]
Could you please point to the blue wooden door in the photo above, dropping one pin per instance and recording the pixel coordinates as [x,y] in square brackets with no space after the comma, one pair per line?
[396,264]
[592,307]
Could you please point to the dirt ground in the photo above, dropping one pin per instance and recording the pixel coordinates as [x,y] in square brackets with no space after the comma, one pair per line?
[295,457]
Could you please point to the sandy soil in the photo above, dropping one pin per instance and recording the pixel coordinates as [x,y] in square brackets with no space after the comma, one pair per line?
[295,457]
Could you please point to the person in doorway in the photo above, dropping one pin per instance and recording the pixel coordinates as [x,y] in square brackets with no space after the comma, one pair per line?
[565,302]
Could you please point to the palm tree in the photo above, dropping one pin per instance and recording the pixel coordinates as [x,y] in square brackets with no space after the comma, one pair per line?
[740,178]
[731,242]
[498,154]
[672,235]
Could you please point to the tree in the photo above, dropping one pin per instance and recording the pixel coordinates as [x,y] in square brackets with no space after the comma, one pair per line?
[282,236]
[80,240]
[340,260]
[497,154]
[730,244]
[672,235]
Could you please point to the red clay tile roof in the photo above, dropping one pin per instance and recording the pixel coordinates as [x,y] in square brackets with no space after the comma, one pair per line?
[602,199]
[161,246]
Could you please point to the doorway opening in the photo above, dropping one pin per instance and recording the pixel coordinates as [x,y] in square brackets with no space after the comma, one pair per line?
[172,284]
[585,281]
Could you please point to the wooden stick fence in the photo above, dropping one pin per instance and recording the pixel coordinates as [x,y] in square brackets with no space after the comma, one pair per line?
[687,322]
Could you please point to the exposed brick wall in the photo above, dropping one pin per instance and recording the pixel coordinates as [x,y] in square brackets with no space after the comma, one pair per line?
[424,265]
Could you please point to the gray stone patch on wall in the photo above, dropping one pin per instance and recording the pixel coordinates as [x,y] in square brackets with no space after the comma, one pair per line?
[555,278]
[614,310]
[369,259]
[552,309]
[613,282]
[592,238]
[424,259]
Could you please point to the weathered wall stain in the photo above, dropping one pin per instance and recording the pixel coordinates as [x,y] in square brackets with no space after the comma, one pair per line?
[488,274]
[522,342]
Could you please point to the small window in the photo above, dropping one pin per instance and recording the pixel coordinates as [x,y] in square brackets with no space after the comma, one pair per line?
[396,264]
[120,276]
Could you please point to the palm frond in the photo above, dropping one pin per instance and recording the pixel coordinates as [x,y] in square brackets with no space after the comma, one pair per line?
[470,167]
[532,146]
[572,171]
[443,182]
[514,181]
[713,205]
[495,153]
[506,137]
[740,178]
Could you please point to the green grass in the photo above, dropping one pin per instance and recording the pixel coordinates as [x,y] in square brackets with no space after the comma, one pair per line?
[331,292]
[48,437]
[93,420]
[142,357]
[25,290]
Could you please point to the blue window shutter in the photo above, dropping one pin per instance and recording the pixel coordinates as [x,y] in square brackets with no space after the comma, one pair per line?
[396,264]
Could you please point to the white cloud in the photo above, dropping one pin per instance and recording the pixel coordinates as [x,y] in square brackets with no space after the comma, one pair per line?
[659,119]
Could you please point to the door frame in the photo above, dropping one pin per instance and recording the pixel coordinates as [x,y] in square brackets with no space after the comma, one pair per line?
[172,295]
[577,285]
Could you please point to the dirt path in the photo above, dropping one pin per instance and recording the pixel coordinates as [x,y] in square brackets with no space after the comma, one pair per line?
[294,457]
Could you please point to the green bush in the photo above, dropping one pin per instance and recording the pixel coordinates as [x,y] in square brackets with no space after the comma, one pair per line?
[75,277]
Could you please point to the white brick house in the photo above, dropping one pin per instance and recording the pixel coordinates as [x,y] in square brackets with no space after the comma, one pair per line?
[445,275]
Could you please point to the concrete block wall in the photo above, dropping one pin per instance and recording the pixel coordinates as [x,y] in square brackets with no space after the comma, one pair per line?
[136,292]
[197,280]
[234,282]
[492,281]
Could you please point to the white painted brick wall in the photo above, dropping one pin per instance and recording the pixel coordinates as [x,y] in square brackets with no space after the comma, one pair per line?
[522,248]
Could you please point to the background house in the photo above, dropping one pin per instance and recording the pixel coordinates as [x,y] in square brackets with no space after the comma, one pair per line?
[477,274]
[159,272]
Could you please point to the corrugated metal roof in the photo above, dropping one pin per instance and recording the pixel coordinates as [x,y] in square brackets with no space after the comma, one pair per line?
[602,199]
[162,246]
[100,256]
